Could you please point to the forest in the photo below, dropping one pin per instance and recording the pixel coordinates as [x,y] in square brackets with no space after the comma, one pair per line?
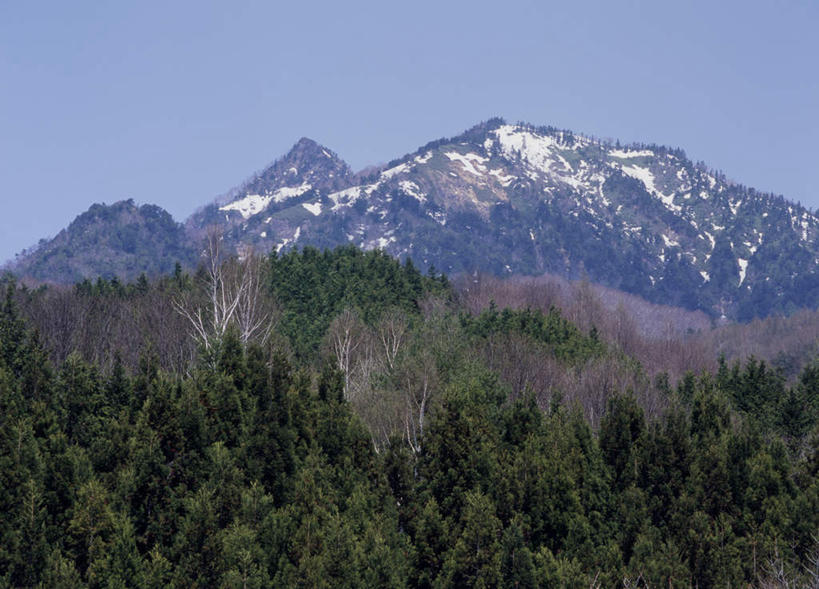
[339,419]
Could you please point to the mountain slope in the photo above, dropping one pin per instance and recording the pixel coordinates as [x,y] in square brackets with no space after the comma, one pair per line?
[526,200]
[247,215]
[121,240]
[505,199]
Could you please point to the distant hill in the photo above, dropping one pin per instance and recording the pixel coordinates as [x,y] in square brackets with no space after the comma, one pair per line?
[122,240]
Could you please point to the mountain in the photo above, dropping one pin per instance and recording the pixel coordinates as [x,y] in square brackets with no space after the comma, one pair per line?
[518,199]
[122,240]
[262,208]
[513,199]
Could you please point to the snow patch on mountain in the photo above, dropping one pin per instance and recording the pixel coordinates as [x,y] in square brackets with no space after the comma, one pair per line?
[532,148]
[399,169]
[253,204]
[314,207]
[249,205]
[625,154]
[503,179]
[345,198]
[645,176]
[743,266]
[285,242]
[472,162]
[412,189]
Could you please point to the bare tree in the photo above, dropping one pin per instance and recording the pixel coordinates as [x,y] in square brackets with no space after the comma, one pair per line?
[345,336]
[253,316]
[392,329]
[234,295]
[418,379]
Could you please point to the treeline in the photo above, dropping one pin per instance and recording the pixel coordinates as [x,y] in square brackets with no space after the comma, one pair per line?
[663,338]
[381,435]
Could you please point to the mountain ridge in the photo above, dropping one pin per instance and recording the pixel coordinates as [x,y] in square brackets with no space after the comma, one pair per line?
[522,199]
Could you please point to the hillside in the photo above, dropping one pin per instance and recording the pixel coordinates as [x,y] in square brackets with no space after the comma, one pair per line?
[122,240]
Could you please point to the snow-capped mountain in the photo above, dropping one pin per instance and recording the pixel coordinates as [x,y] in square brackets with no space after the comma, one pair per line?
[518,199]
[521,199]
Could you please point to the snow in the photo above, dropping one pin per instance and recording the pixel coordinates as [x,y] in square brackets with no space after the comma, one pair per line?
[314,208]
[734,206]
[503,179]
[710,238]
[286,192]
[439,217]
[543,155]
[743,266]
[412,189]
[253,204]
[532,234]
[399,169]
[468,160]
[669,242]
[287,241]
[422,159]
[534,149]
[630,154]
[345,198]
[293,170]
[385,241]
[263,234]
[249,205]
[705,276]
[645,176]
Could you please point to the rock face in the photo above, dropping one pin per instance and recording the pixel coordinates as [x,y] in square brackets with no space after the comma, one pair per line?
[519,199]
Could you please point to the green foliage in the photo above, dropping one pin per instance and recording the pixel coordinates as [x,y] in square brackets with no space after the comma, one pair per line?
[119,240]
[560,335]
[253,469]
[313,287]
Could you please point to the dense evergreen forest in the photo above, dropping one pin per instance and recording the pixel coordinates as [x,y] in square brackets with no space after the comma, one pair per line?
[338,419]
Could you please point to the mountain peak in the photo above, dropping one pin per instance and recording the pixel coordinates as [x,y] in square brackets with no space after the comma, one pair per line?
[306,148]
[121,239]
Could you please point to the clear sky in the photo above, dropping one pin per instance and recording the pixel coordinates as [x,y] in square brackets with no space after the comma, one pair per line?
[175,102]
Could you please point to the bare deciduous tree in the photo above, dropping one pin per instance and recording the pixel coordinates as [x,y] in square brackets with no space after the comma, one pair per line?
[392,329]
[346,335]
[234,294]
[253,317]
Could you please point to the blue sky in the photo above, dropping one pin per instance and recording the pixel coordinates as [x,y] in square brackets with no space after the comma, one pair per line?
[173,103]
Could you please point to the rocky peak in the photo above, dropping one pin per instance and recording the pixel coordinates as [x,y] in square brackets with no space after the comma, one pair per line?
[307,162]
